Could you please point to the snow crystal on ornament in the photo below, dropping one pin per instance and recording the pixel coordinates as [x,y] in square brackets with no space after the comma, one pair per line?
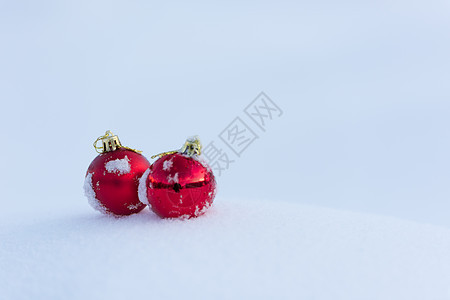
[142,189]
[200,211]
[119,166]
[90,194]
[167,165]
[131,206]
[173,179]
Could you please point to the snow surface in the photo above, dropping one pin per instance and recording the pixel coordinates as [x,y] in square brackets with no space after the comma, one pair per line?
[119,166]
[237,250]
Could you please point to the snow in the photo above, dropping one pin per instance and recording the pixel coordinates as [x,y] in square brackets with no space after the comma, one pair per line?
[90,194]
[240,249]
[142,189]
[173,178]
[119,166]
[131,206]
[167,165]
[199,212]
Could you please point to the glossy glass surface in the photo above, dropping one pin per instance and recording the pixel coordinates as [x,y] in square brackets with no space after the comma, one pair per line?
[118,193]
[180,186]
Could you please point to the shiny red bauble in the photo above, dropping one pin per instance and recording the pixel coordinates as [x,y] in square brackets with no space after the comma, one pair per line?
[178,186]
[112,181]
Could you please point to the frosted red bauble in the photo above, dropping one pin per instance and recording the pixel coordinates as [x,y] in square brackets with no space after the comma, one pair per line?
[112,181]
[177,186]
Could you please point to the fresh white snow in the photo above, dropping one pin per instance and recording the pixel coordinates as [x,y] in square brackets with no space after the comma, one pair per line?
[173,178]
[142,189]
[237,250]
[119,166]
[90,194]
[200,211]
[131,206]
[167,165]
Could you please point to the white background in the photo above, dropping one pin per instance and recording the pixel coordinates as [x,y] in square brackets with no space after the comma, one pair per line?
[364,86]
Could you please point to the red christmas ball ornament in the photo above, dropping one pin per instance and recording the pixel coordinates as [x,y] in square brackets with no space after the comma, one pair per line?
[179,184]
[112,179]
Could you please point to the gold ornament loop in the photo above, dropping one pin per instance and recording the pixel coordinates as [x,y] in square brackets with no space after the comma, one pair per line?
[108,136]
[164,154]
[134,150]
[191,147]
[110,142]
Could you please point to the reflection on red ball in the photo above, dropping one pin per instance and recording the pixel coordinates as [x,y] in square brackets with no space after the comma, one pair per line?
[178,186]
[112,181]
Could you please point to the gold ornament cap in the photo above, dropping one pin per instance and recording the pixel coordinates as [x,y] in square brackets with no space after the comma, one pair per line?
[191,147]
[110,142]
